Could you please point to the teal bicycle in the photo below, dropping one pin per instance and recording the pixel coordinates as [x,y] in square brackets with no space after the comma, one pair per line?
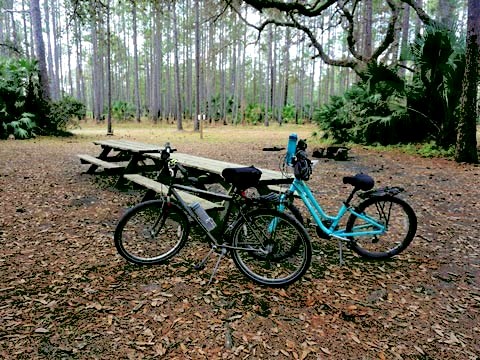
[380,226]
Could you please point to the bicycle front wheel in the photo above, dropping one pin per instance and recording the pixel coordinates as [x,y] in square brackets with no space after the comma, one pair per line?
[259,238]
[400,224]
[151,232]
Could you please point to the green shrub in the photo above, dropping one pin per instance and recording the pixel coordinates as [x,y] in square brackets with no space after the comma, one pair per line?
[123,111]
[386,109]
[254,113]
[64,113]
[22,128]
[19,97]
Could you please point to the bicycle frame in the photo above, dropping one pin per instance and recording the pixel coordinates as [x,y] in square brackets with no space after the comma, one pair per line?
[317,212]
[212,195]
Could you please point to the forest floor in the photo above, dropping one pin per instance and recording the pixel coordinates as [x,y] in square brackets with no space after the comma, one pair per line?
[66,294]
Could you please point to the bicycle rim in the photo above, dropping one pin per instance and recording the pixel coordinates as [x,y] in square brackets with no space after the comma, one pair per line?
[259,247]
[400,226]
[150,233]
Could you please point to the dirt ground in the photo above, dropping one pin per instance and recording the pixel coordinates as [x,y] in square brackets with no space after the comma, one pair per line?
[66,294]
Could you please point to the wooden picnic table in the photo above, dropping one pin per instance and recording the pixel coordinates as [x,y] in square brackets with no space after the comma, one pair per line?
[197,165]
[122,156]
[129,159]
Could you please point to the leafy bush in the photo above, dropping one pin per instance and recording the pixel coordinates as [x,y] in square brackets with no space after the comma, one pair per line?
[435,92]
[288,113]
[386,109]
[22,128]
[19,100]
[363,115]
[23,112]
[123,111]
[65,112]
[254,113]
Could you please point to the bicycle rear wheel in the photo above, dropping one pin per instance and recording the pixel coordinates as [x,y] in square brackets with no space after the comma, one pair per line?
[400,224]
[151,232]
[260,237]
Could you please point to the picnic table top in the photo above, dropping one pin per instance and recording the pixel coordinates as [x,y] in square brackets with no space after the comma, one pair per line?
[214,166]
[128,145]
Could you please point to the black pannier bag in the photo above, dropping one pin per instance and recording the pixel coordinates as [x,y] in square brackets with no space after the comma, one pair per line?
[242,178]
[302,169]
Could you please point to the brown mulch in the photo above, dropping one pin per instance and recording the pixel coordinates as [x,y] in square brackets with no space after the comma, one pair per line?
[66,294]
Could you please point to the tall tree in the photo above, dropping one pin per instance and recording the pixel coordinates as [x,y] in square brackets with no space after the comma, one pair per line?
[109,74]
[466,148]
[39,47]
[97,96]
[25,33]
[57,52]
[367,30]
[178,92]
[196,119]
[50,61]
[80,82]
[135,60]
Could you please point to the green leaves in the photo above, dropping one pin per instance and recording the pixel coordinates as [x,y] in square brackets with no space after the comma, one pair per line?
[22,128]
[18,83]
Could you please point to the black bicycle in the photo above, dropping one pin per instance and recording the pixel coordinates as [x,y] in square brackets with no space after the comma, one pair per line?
[268,246]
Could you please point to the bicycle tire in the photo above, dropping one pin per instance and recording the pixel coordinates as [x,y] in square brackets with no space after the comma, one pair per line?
[140,243]
[400,221]
[295,212]
[265,268]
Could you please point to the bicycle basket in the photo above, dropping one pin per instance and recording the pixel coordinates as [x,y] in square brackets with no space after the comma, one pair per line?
[302,168]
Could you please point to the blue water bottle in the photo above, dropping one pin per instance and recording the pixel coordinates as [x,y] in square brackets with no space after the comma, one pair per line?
[291,148]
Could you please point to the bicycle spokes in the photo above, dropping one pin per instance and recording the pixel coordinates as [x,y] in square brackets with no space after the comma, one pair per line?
[384,211]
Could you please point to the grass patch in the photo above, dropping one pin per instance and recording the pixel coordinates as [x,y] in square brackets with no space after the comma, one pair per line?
[216,134]
[430,150]
[427,150]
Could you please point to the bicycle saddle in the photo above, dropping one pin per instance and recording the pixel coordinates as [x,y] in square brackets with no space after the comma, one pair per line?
[242,178]
[360,181]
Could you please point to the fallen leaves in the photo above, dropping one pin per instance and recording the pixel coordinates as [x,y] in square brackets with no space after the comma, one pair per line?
[65,292]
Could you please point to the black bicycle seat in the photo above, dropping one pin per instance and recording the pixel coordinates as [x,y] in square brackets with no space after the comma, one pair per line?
[360,181]
[242,178]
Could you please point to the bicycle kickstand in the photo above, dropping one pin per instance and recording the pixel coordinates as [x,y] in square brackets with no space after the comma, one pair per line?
[202,263]
[223,252]
[340,252]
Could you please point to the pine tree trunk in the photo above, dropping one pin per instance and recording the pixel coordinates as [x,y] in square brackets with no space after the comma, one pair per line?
[109,75]
[39,47]
[367,30]
[466,147]
[25,33]
[269,78]
[445,13]
[69,62]
[405,31]
[286,66]
[97,83]
[50,62]
[196,125]
[57,52]
[135,60]
[178,92]
[79,75]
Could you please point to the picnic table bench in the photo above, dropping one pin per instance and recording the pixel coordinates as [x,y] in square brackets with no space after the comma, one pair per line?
[155,187]
[122,156]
